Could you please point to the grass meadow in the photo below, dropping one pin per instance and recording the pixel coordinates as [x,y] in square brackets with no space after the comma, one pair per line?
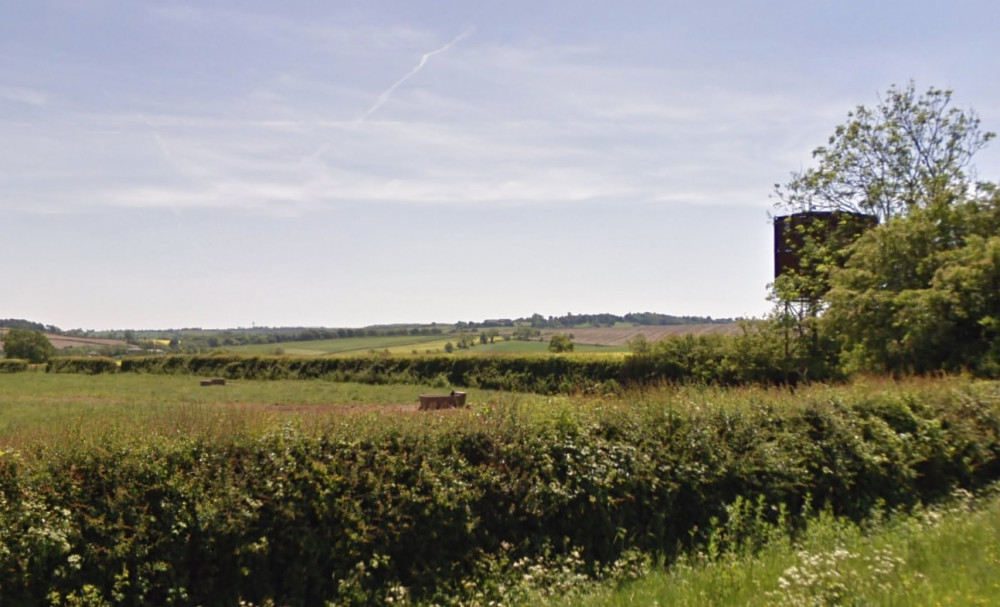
[395,344]
[62,408]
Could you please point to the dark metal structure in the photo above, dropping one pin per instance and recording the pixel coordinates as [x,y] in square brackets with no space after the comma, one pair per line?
[790,234]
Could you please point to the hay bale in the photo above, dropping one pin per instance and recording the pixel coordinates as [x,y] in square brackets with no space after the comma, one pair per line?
[433,402]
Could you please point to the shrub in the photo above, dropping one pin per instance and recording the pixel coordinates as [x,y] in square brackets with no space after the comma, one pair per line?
[30,345]
[93,365]
[13,365]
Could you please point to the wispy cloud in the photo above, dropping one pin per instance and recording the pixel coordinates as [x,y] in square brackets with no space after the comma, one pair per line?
[384,97]
[500,125]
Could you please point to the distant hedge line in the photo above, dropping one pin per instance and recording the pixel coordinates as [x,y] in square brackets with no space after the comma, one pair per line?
[714,359]
[90,365]
[353,515]
[542,374]
[13,365]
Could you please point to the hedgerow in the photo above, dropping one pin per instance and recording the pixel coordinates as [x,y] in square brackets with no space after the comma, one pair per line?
[751,358]
[13,365]
[373,508]
[89,365]
[540,374]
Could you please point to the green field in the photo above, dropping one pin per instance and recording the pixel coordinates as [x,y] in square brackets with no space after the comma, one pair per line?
[63,407]
[396,345]
[525,347]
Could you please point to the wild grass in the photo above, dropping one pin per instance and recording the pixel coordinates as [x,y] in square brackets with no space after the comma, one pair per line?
[39,408]
[536,497]
[947,554]
[37,404]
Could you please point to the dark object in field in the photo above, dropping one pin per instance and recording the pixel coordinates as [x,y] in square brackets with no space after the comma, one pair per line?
[432,402]
[218,381]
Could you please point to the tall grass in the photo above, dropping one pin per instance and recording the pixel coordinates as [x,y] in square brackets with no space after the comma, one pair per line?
[947,554]
[37,409]
[244,492]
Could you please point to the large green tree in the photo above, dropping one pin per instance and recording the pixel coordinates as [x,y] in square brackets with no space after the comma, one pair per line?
[907,149]
[32,346]
[922,292]
[561,343]
[919,292]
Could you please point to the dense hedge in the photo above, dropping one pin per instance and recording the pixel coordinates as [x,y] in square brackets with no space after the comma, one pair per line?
[541,374]
[347,514]
[13,365]
[90,365]
[756,356]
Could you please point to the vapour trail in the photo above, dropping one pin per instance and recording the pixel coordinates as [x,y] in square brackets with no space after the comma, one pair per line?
[423,61]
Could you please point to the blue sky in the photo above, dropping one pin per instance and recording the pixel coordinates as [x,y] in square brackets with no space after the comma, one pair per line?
[223,164]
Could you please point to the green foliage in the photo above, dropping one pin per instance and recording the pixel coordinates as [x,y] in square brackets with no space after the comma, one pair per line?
[946,554]
[919,293]
[13,365]
[540,374]
[890,159]
[30,345]
[561,343]
[922,292]
[20,323]
[92,365]
[365,510]
[755,356]
[526,332]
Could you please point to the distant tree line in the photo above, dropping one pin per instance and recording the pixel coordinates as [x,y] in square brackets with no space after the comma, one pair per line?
[276,336]
[27,325]
[193,340]
[570,320]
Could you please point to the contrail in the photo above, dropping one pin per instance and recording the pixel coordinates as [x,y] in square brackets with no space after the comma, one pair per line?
[423,61]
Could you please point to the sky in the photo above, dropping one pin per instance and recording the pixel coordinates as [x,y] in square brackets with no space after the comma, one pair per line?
[221,164]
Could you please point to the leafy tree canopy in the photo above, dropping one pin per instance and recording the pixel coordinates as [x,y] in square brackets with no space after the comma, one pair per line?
[885,160]
[29,345]
[20,323]
[922,292]
[561,343]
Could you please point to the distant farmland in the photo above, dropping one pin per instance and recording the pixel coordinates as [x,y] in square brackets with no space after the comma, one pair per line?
[619,336]
[587,339]
[65,341]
